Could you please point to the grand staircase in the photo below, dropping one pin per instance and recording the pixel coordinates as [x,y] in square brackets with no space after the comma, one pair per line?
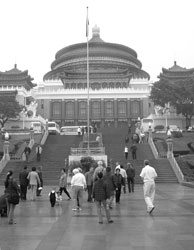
[57,149]
[114,142]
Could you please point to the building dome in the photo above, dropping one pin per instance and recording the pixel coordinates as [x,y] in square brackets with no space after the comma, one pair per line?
[104,58]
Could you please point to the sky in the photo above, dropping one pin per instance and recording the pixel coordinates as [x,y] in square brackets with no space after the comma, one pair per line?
[32,31]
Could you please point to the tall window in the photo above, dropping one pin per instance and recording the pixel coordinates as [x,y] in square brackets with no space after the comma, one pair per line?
[69,110]
[56,109]
[96,109]
[122,109]
[135,108]
[42,104]
[83,110]
[109,109]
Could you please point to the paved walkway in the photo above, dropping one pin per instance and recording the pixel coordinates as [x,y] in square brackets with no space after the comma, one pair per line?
[40,227]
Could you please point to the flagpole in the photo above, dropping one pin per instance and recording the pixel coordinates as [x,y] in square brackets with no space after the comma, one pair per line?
[88,86]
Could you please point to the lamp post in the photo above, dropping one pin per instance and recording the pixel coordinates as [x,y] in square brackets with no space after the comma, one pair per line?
[149,132]
[6,146]
[31,134]
[46,125]
[169,142]
[24,113]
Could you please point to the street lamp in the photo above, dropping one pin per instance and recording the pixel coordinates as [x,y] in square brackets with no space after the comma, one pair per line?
[169,142]
[46,125]
[149,131]
[6,146]
[6,136]
[24,113]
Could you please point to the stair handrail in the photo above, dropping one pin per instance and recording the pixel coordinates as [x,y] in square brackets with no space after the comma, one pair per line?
[176,168]
[3,162]
[153,148]
[44,138]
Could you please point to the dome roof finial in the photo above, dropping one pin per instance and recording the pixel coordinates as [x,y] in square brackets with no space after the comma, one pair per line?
[96,31]
[96,35]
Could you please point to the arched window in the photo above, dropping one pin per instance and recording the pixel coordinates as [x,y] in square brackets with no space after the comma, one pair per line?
[82,110]
[135,108]
[56,109]
[122,109]
[96,109]
[69,110]
[109,109]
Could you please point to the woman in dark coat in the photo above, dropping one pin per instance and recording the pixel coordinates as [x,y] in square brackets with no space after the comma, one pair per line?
[11,190]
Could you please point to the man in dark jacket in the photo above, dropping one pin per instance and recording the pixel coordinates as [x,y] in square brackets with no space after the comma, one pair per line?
[118,182]
[108,179]
[130,177]
[134,151]
[23,183]
[100,195]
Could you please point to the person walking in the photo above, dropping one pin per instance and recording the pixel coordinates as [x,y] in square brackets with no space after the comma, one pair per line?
[34,180]
[38,152]
[79,131]
[39,187]
[130,177]
[118,182]
[124,175]
[12,195]
[63,184]
[100,168]
[23,180]
[89,183]
[133,150]
[27,152]
[108,179]
[148,174]
[100,195]
[126,151]
[78,183]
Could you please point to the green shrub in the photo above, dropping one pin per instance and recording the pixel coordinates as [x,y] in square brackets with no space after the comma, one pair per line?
[177,134]
[159,127]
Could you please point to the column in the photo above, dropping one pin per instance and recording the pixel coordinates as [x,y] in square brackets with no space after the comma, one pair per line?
[169,142]
[62,112]
[102,112]
[116,112]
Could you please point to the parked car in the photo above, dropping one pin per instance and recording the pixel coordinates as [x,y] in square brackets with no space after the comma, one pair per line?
[174,128]
[190,129]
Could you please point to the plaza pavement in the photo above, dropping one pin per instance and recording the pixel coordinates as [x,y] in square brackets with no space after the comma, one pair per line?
[40,227]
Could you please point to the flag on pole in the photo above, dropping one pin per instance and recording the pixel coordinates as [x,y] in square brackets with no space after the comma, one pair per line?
[87,24]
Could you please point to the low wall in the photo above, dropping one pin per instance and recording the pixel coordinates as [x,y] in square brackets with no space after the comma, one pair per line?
[103,158]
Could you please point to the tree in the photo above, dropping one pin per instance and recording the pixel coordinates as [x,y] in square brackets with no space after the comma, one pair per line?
[179,94]
[9,108]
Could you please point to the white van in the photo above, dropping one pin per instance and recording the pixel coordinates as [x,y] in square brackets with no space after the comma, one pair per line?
[53,128]
[37,127]
[146,122]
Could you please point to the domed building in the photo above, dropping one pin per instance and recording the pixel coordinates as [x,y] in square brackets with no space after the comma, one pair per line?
[118,87]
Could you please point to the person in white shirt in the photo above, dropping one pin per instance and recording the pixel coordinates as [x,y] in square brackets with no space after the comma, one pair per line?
[148,174]
[78,183]
[79,131]
[126,151]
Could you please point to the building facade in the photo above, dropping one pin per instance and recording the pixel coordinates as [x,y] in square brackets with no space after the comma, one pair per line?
[118,88]
[18,83]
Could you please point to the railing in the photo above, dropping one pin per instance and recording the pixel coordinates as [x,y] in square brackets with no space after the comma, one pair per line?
[44,138]
[3,162]
[176,168]
[86,151]
[153,148]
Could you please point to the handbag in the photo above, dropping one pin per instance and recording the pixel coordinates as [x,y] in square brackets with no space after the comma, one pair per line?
[14,198]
